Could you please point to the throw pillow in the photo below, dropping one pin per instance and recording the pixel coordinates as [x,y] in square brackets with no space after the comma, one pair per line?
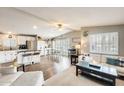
[112,61]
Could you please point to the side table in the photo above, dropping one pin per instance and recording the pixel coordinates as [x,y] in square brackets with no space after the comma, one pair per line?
[74,59]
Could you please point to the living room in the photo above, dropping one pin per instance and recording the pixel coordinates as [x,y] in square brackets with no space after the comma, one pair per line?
[39,47]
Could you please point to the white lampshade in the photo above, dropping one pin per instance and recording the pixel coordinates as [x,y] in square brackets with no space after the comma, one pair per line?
[78,46]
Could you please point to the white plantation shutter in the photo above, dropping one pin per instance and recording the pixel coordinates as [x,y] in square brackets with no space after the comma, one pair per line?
[62,45]
[106,43]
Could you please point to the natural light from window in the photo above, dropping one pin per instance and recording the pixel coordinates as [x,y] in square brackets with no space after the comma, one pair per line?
[104,43]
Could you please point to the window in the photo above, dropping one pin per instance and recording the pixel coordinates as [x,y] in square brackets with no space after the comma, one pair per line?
[106,43]
[62,45]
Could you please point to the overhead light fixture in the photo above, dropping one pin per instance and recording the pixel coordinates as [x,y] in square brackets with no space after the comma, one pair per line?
[39,38]
[60,26]
[34,27]
[9,34]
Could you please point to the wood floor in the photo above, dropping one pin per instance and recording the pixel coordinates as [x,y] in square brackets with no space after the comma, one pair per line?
[50,65]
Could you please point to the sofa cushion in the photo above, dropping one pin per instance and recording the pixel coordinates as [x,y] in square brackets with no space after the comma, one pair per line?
[34,78]
[8,70]
[9,78]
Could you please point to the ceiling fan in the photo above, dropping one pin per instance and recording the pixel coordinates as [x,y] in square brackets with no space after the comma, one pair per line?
[60,26]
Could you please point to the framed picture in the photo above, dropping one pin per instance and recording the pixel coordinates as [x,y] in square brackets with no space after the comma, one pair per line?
[76,40]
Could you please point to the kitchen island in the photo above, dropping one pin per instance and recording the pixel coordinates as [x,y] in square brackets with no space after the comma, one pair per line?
[27,57]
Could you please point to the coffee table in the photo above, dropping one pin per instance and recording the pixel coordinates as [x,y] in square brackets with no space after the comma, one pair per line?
[107,73]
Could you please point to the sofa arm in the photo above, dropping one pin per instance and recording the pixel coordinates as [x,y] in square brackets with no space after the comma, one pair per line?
[8,70]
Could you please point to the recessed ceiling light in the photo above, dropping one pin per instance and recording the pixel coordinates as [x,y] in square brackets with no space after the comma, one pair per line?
[34,27]
[9,32]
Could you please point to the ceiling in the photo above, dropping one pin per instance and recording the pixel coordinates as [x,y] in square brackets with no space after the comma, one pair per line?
[21,20]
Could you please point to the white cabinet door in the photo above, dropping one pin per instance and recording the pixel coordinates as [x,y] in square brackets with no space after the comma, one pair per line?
[27,60]
[7,56]
[6,43]
[13,43]
[10,56]
[9,43]
[36,58]
[2,57]
[19,58]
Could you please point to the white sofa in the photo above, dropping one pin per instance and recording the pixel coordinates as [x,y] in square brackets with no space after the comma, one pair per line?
[102,59]
[9,77]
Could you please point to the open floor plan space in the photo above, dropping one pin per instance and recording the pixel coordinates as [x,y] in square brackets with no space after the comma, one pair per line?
[58,70]
[61,46]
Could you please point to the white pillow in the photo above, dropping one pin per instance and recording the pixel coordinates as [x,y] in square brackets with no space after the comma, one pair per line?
[8,70]
[88,59]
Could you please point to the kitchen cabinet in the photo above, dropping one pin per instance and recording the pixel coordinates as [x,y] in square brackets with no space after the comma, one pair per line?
[27,40]
[8,43]
[28,57]
[36,58]
[7,56]
[12,42]
[2,57]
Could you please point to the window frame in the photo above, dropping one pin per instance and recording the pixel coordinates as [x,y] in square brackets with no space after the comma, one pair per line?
[96,51]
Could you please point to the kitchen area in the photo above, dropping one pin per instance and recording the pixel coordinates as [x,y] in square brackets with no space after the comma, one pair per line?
[21,49]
